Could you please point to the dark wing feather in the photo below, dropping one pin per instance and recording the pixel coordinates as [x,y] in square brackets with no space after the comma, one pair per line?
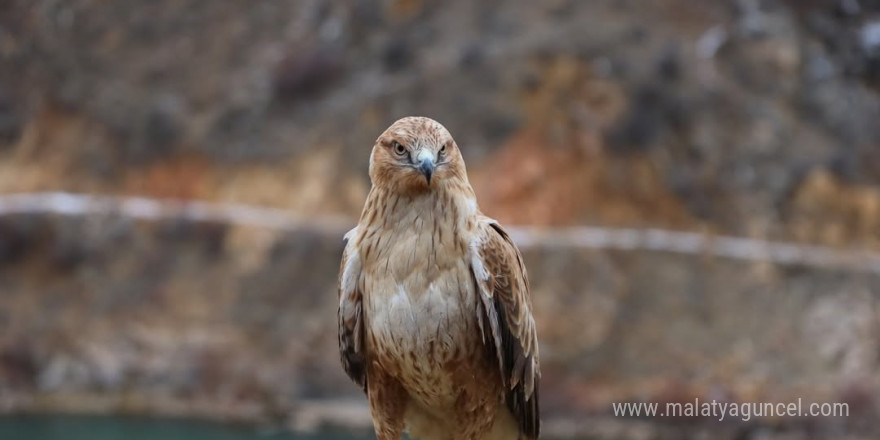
[351,321]
[506,307]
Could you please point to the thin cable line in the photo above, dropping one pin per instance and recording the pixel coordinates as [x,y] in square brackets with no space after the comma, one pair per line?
[583,237]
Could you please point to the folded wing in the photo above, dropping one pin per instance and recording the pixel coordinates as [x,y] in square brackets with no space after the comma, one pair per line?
[351,320]
[506,320]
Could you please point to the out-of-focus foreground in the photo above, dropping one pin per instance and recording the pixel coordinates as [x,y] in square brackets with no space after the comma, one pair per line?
[754,118]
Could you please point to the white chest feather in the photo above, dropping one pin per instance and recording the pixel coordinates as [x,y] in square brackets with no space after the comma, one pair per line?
[423,315]
[418,333]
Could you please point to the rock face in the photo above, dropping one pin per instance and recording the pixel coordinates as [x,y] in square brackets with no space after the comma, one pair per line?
[748,118]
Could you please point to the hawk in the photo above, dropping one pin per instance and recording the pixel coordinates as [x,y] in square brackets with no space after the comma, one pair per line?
[435,319]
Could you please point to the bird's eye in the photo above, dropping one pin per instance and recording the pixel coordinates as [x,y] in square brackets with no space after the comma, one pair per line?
[398,148]
[443,149]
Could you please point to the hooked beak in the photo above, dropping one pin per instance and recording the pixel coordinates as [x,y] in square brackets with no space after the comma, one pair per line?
[426,165]
[427,168]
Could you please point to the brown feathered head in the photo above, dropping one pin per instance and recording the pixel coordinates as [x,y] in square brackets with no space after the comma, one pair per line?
[416,154]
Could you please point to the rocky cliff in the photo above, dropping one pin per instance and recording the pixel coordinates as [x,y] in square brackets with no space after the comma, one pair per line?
[751,118]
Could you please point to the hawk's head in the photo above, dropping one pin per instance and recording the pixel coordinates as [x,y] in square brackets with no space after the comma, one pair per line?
[416,154]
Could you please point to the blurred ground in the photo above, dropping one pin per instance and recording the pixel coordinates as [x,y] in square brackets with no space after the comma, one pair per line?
[749,118]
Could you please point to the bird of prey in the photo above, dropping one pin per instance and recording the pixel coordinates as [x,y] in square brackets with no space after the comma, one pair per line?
[435,320]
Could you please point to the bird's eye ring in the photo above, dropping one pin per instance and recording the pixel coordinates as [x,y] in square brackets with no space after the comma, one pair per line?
[398,148]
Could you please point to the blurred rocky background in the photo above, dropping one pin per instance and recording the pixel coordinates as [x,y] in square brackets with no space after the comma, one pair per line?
[751,118]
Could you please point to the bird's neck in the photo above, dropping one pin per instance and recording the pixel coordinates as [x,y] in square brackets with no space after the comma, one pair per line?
[449,209]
